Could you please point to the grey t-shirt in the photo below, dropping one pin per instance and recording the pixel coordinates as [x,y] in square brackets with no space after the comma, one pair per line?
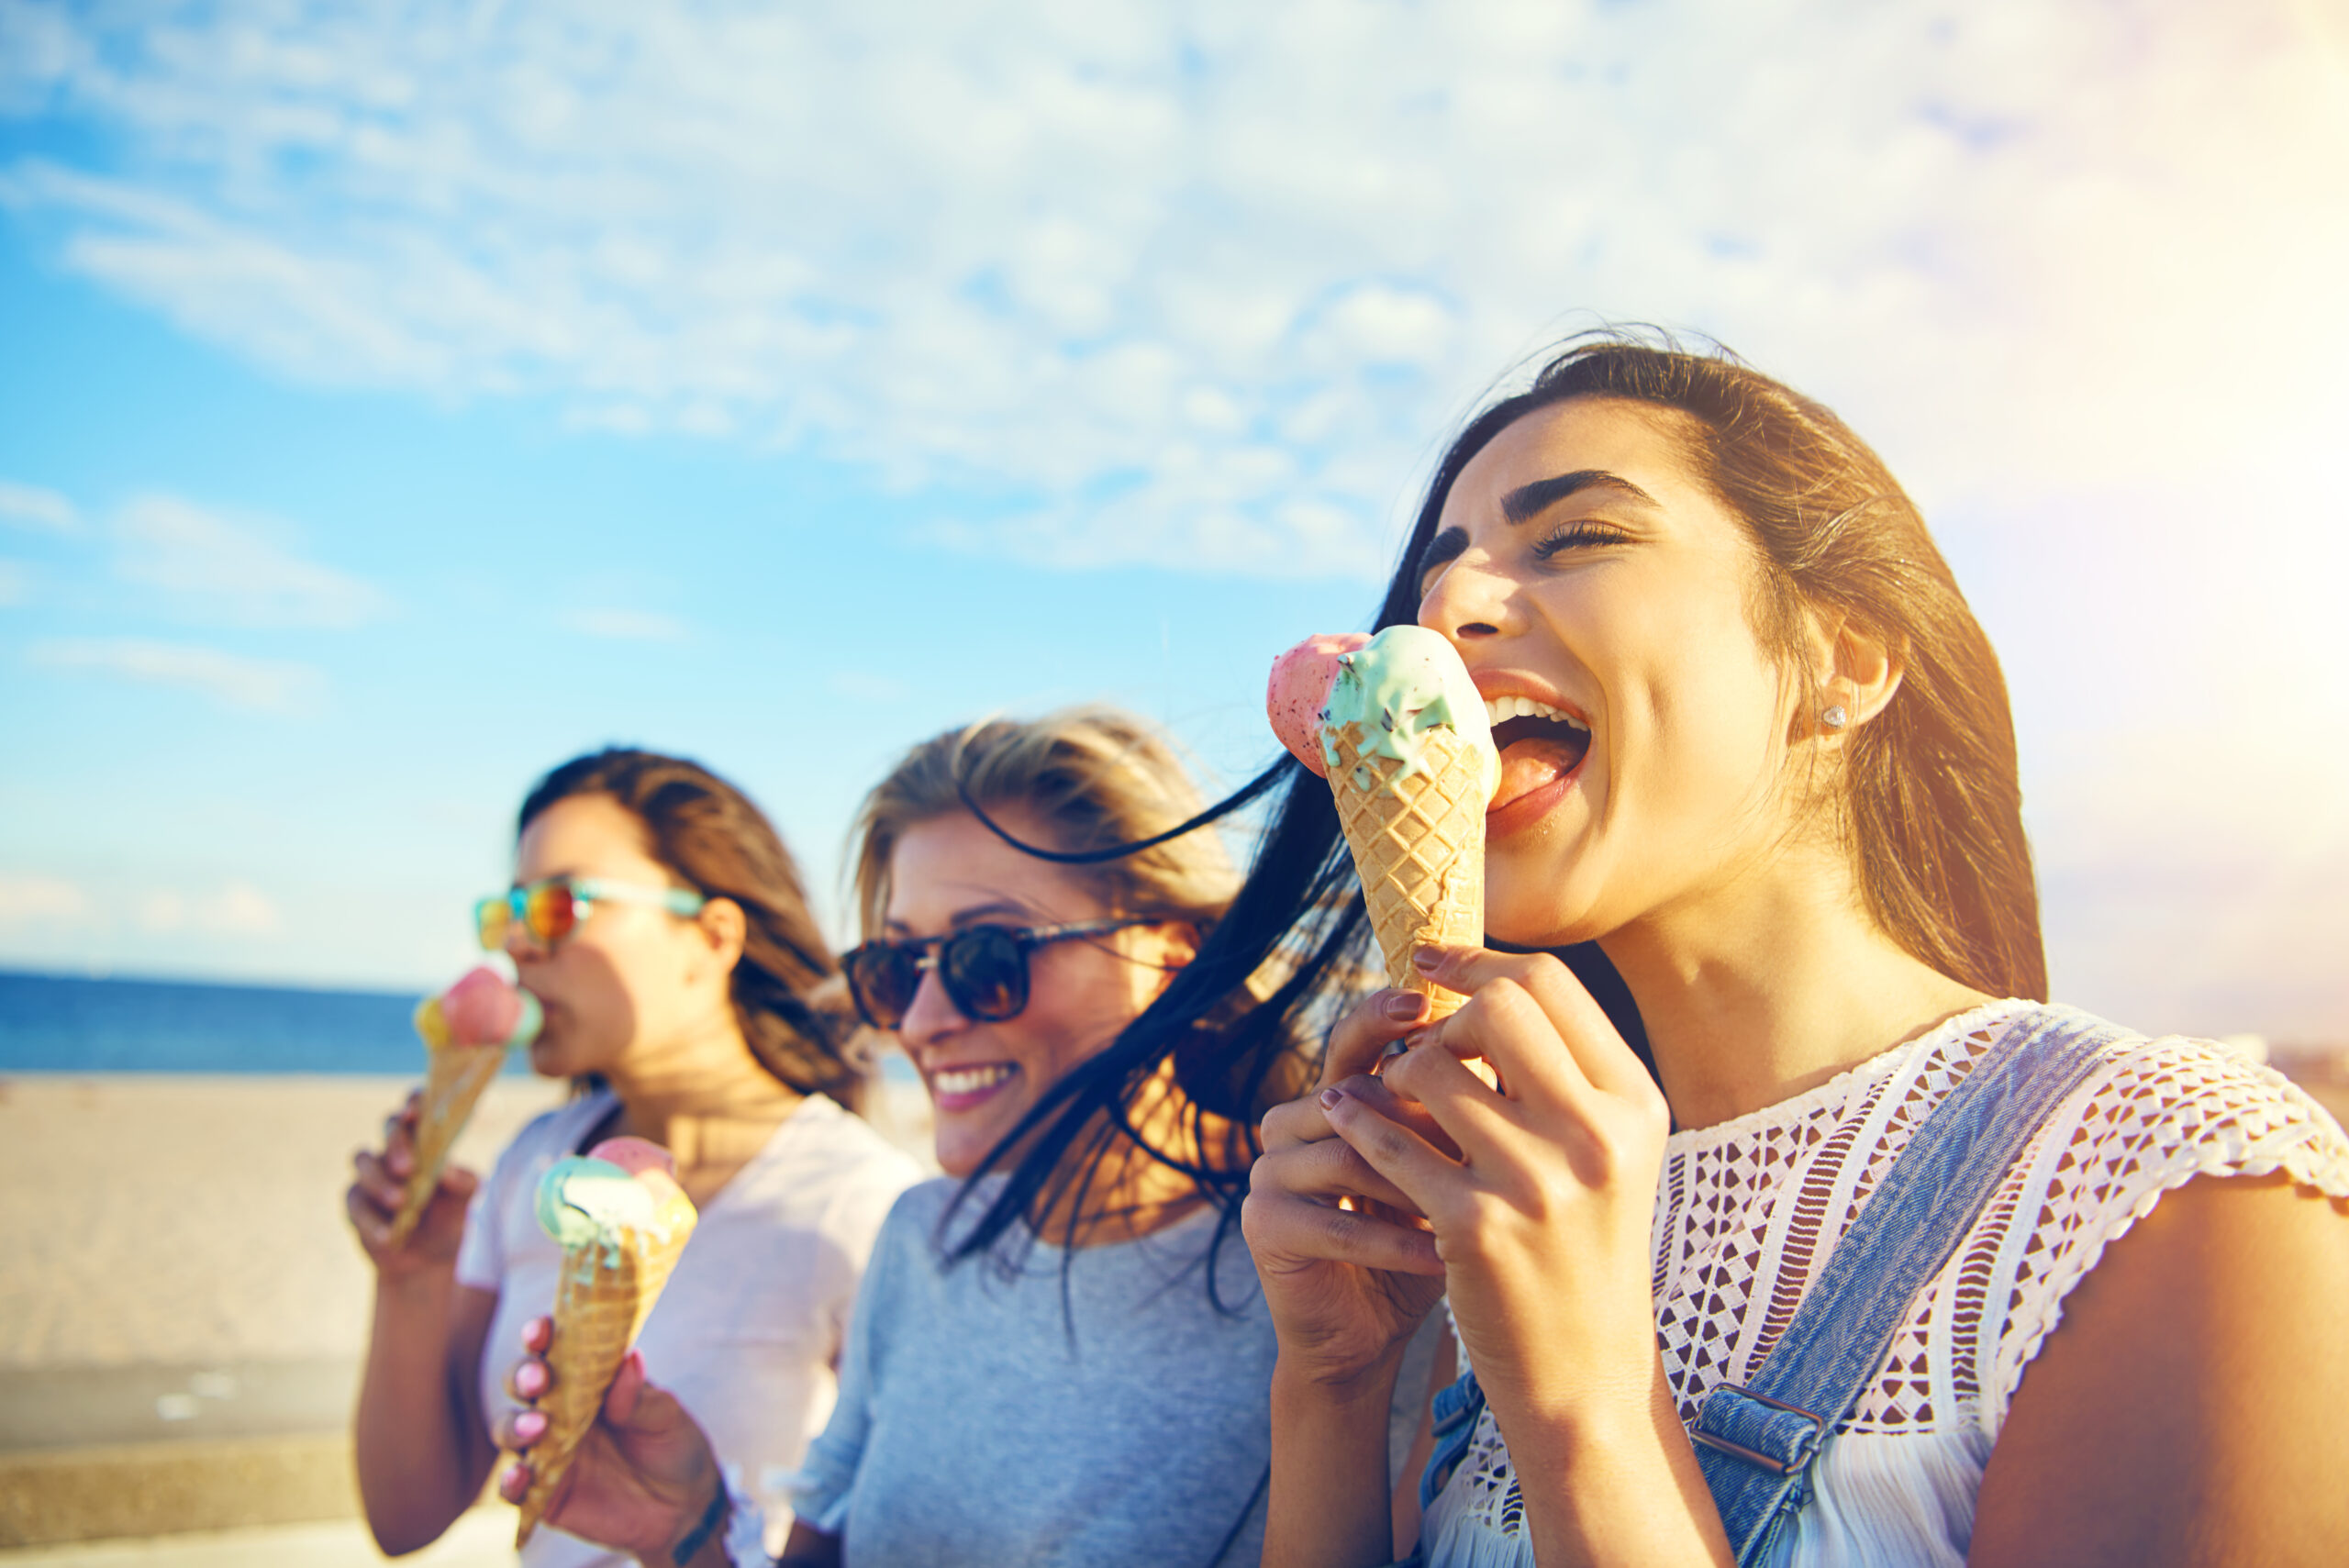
[979,1424]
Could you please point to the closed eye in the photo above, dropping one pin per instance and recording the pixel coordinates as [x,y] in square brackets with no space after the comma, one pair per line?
[1582,533]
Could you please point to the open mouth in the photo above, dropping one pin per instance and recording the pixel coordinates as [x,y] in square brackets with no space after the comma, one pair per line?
[959,1088]
[1539,745]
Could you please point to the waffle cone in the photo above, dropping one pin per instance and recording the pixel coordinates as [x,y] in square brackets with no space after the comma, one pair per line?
[1418,838]
[455,1076]
[601,1301]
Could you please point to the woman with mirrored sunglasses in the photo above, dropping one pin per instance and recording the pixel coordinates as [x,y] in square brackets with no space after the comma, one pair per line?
[1061,1356]
[660,923]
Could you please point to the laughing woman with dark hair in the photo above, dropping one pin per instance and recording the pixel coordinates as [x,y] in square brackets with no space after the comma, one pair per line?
[1886,1260]
[658,921]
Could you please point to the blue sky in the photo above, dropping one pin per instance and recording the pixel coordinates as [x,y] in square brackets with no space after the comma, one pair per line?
[396,401]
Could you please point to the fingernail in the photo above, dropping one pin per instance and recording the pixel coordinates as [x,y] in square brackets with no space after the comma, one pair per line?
[1331,1099]
[531,1381]
[1427,961]
[529,1425]
[1404,1006]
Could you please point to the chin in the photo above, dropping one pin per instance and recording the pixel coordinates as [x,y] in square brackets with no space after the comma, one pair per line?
[1531,914]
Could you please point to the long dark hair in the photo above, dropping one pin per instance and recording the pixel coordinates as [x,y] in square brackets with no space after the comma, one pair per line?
[709,833]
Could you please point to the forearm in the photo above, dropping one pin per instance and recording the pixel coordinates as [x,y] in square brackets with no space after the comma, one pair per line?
[1328,1505]
[1613,1482]
[418,1467]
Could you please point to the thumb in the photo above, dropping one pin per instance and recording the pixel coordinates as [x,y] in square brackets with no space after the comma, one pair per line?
[626,1391]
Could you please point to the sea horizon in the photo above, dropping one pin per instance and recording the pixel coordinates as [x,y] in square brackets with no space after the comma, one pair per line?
[81,1023]
[71,1023]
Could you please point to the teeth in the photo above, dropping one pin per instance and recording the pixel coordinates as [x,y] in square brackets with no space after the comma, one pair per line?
[1499,710]
[970,1080]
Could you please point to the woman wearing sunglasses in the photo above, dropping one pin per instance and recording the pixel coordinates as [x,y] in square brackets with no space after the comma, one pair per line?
[1062,1353]
[660,922]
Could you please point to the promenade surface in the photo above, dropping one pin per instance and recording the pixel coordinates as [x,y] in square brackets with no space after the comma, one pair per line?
[483,1539]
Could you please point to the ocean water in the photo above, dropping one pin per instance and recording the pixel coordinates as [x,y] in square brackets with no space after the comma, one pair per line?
[55,1023]
[51,1023]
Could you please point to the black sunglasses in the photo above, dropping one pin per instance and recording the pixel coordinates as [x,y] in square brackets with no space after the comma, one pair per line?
[983,969]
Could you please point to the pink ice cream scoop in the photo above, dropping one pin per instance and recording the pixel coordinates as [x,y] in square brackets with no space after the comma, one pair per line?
[1299,690]
[481,1009]
[634,1155]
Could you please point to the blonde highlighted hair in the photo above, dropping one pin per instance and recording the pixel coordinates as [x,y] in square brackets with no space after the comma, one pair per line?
[1088,778]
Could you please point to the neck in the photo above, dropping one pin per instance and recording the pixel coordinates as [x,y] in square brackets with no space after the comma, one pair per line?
[1773,985]
[702,1095]
[1130,1193]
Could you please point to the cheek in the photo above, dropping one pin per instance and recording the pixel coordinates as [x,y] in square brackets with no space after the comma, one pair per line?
[1079,1005]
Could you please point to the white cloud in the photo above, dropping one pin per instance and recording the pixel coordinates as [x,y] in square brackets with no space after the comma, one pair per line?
[15,583]
[225,569]
[239,908]
[43,904]
[625,626]
[28,505]
[1237,264]
[162,909]
[260,686]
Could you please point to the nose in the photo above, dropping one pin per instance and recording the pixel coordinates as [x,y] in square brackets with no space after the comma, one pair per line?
[519,945]
[930,1018]
[1469,601]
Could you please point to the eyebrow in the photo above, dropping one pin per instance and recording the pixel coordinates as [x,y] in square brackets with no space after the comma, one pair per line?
[1531,500]
[977,915]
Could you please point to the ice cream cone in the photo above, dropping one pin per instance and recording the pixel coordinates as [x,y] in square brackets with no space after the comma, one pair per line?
[1418,838]
[608,1288]
[456,1074]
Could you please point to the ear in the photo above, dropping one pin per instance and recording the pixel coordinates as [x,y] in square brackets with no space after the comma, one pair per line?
[723,927]
[1866,670]
[1168,947]
[1178,944]
[1858,669]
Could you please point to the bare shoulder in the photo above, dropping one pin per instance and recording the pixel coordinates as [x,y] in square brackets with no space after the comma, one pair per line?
[2186,1408]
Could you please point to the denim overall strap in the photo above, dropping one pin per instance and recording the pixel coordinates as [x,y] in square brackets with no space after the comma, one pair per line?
[1756,1444]
[1456,1410]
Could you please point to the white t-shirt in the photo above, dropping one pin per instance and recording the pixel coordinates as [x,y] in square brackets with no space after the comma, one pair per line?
[750,1328]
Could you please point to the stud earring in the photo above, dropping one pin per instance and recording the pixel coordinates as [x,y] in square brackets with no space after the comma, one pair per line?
[1833,716]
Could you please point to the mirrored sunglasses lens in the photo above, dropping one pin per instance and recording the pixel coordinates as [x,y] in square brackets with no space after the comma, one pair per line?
[882,978]
[549,913]
[985,974]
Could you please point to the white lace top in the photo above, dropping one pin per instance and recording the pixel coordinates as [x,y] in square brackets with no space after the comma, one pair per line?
[1747,1212]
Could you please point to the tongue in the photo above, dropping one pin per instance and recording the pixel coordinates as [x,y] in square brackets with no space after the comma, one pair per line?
[1528,765]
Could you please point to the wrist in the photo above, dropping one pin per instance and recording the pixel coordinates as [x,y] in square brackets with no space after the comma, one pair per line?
[701,1542]
[1592,1426]
[415,1286]
[1299,1383]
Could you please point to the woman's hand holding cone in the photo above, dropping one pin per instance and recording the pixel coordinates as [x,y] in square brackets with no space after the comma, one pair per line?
[641,1478]
[1345,1285]
[1542,1198]
[378,1186]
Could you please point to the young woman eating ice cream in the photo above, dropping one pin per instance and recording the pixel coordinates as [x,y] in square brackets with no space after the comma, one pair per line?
[1754,745]
[1062,1354]
[660,923]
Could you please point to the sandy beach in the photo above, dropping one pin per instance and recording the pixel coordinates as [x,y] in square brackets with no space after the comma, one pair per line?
[182,1309]
[169,1220]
